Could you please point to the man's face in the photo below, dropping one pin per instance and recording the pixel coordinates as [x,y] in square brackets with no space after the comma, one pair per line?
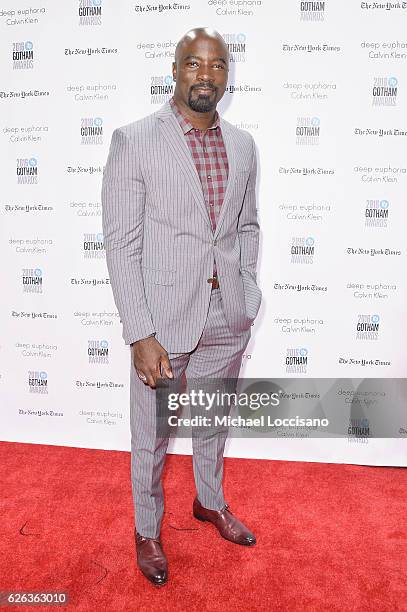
[201,73]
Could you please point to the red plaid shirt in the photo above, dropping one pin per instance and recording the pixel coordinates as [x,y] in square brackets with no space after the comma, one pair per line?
[209,154]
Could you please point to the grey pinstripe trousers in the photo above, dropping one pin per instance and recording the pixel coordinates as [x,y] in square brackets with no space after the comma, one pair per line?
[218,354]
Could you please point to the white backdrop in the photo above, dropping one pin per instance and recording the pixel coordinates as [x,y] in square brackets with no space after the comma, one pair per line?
[320,85]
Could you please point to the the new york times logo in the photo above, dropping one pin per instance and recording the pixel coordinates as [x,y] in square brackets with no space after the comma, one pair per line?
[161,88]
[23,55]
[359,428]
[312,11]
[32,280]
[90,12]
[236,44]
[367,327]
[159,8]
[93,246]
[302,250]
[307,130]
[384,91]
[27,170]
[296,361]
[98,351]
[37,382]
[91,131]
[376,213]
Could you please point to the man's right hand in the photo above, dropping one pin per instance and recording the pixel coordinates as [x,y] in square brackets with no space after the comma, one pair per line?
[148,357]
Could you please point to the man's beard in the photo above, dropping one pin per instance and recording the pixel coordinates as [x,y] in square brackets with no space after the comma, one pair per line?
[204,103]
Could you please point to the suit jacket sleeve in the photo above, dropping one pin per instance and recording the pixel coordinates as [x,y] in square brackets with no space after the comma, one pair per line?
[123,204]
[248,227]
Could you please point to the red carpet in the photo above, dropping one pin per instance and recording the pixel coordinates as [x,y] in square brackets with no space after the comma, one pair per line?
[330,537]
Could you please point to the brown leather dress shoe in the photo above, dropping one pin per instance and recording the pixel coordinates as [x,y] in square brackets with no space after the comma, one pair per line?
[151,559]
[226,523]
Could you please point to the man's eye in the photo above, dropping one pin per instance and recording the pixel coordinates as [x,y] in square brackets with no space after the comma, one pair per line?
[219,66]
[192,63]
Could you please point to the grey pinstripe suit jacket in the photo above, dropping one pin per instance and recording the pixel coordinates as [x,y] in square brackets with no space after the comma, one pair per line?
[159,243]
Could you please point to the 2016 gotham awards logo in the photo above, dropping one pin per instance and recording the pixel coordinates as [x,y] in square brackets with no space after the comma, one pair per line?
[91,131]
[359,428]
[384,91]
[32,280]
[37,382]
[23,55]
[367,327]
[307,131]
[237,46]
[90,12]
[302,250]
[377,213]
[98,351]
[296,361]
[312,11]
[161,88]
[93,246]
[27,171]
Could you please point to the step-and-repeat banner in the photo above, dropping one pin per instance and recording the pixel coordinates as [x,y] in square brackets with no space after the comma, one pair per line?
[322,87]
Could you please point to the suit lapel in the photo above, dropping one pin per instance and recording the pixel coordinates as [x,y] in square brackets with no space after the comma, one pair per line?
[227,136]
[175,139]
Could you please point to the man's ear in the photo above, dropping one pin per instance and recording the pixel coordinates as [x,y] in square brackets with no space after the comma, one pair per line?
[174,71]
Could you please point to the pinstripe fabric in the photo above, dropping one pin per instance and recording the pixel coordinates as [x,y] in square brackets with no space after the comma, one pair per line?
[218,354]
[160,248]
[160,252]
[211,162]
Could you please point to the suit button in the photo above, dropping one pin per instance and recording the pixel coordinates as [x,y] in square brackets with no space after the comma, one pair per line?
[214,243]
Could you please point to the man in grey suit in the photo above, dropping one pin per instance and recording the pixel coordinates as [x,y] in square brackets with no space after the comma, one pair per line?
[181,236]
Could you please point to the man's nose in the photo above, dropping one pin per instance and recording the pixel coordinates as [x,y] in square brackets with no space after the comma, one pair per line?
[204,74]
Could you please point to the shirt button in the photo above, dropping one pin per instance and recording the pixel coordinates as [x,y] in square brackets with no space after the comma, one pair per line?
[209,177]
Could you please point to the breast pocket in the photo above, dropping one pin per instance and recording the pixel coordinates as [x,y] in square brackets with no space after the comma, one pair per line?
[156,276]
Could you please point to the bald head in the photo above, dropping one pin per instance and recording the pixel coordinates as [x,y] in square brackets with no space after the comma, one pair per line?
[199,32]
[200,70]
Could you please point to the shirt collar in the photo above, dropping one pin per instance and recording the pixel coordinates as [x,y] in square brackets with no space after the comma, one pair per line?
[185,123]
